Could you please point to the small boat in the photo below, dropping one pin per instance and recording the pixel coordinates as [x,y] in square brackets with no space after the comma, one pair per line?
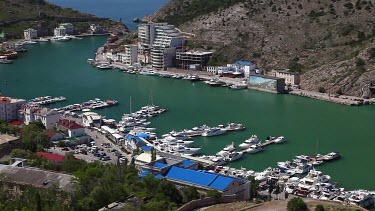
[29,42]
[42,39]
[331,156]
[136,20]
[233,156]
[279,140]
[5,61]
[214,131]
[238,86]
[253,140]
[254,149]
[104,66]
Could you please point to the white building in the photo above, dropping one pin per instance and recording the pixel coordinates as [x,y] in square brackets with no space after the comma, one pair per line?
[59,31]
[291,78]
[47,116]
[30,34]
[164,41]
[162,58]
[68,27]
[9,108]
[91,119]
[96,29]
[71,128]
[131,54]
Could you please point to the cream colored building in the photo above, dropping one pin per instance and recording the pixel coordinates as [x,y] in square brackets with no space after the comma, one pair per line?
[9,108]
[30,34]
[291,78]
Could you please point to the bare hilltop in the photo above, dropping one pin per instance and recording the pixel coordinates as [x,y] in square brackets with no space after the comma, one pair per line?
[331,43]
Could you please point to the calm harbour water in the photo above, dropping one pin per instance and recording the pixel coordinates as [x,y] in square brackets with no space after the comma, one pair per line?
[127,10]
[310,126]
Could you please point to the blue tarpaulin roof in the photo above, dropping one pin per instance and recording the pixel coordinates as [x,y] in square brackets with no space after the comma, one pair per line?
[200,178]
[146,148]
[145,173]
[160,165]
[242,63]
[143,135]
[186,163]
[136,138]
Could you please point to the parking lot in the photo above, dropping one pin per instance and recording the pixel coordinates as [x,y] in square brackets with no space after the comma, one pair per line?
[100,148]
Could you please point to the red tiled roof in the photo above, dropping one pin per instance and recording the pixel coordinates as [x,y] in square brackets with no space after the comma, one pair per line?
[4,99]
[16,123]
[50,156]
[50,133]
[71,125]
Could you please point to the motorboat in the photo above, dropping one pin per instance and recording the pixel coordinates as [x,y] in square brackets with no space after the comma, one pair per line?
[213,82]
[178,135]
[29,42]
[233,156]
[214,131]
[227,150]
[279,140]
[4,60]
[238,86]
[361,198]
[60,39]
[301,169]
[42,39]
[235,126]
[285,165]
[254,149]
[249,142]
[104,66]
[184,150]
[331,156]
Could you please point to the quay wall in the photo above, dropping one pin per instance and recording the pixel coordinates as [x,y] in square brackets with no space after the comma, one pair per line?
[195,204]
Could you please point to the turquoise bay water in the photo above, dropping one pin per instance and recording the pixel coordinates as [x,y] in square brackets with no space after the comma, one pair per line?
[127,10]
[61,69]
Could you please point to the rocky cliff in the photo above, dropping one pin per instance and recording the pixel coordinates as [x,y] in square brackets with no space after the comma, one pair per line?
[330,42]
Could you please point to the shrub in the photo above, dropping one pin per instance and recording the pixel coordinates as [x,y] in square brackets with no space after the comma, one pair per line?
[319,207]
[297,204]
[321,90]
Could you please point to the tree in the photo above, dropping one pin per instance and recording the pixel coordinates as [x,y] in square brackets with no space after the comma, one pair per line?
[214,194]
[34,137]
[321,90]
[190,193]
[296,204]
[253,187]
[319,207]
[339,91]
[277,191]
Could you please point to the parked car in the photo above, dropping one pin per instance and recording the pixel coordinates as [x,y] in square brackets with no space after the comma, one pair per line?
[97,154]
[102,154]
[65,149]
[104,158]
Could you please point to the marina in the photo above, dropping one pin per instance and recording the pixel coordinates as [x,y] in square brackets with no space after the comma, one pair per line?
[193,104]
[91,104]
[46,100]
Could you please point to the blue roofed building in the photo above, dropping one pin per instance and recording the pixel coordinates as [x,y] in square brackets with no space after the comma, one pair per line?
[204,180]
[133,142]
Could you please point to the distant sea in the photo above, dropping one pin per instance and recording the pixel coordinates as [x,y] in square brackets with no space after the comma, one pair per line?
[127,10]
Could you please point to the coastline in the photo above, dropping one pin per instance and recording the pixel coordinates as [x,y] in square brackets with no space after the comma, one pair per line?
[344,100]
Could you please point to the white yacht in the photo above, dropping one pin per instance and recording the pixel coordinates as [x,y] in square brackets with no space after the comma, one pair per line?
[233,156]
[249,142]
[254,149]
[279,140]
[301,169]
[42,39]
[172,140]
[361,198]
[104,66]
[315,176]
[29,42]
[227,150]
[178,135]
[60,39]
[331,156]
[214,132]
[285,165]
[183,149]
[234,126]
[4,60]
[238,86]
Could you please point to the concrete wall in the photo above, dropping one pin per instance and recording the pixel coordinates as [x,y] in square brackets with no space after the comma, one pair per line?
[207,202]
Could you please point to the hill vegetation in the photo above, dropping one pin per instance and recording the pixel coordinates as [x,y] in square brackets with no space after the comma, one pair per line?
[330,42]
[18,15]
